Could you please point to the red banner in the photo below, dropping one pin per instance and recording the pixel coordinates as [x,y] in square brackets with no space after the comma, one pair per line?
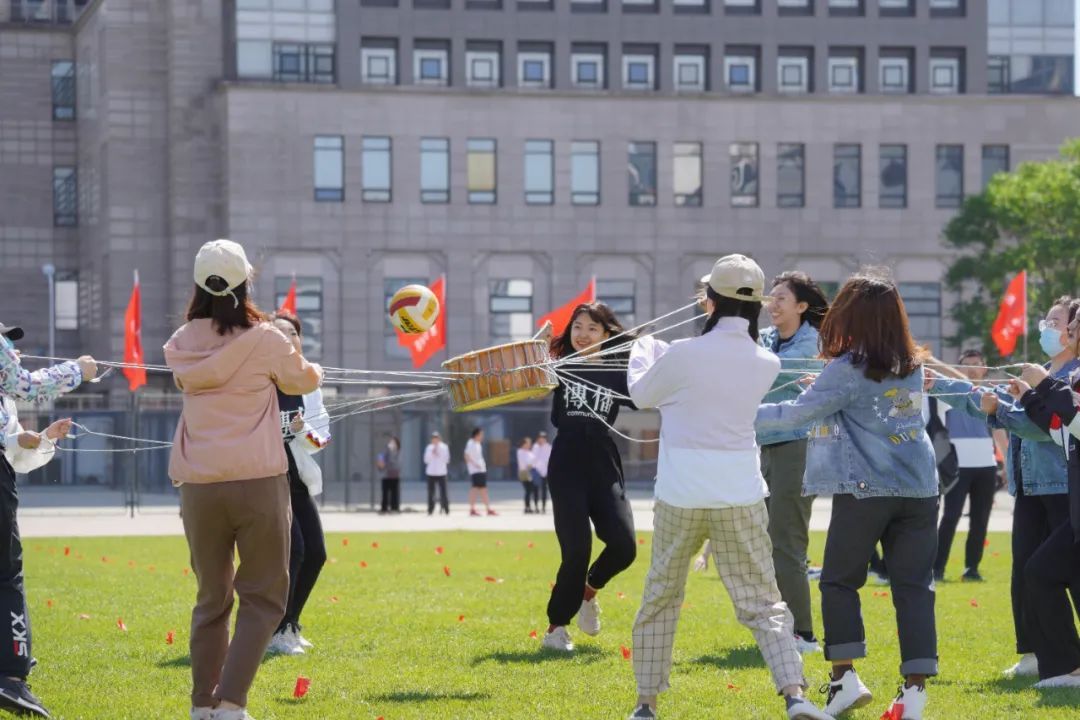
[133,352]
[423,346]
[1011,321]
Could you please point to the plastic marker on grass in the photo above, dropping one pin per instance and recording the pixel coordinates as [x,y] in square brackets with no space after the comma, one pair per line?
[303,684]
[170,637]
[120,624]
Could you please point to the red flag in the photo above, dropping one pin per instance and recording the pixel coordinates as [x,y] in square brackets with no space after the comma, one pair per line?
[1011,321]
[560,317]
[133,353]
[422,346]
[288,305]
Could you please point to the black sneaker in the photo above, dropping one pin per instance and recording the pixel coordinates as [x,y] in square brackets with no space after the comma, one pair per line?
[643,713]
[15,695]
[971,575]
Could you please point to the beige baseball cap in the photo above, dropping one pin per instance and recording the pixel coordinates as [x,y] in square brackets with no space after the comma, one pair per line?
[227,260]
[732,272]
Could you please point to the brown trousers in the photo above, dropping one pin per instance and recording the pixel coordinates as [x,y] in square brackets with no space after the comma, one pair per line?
[254,517]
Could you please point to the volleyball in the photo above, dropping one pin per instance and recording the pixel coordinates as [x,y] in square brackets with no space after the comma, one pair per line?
[414,309]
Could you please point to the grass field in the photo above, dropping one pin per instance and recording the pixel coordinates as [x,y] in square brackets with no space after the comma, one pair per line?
[437,625]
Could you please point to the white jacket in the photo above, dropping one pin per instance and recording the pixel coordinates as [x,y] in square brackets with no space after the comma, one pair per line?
[313,438]
[21,459]
[436,459]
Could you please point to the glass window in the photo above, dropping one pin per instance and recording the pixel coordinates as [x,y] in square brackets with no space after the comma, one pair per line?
[534,69]
[329,168]
[431,67]
[434,170]
[380,65]
[480,168]
[741,73]
[997,74]
[63,90]
[309,310]
[843,74]
[690,72]
[303,63]
[949,176]
[923,304]
[391,347]
[894,75]
[65,197]
[642,169]
[539,172]
[790,175]
[1059,13]
[687,174]
[944,75]
[67,304]
[744,174]
[510,305]
[254,59]
[376,170]
[793,74]
[1041,74]
[482,68]
[585,172]
[1027,12]
[638,72]
[895,4]
[588,70]
[995,159]
[847,176]
[893,185]
[620,296]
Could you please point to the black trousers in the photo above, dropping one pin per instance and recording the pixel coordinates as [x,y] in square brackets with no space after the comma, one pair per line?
[444,502]
[1035,518]
[1048,615]
[15,650]
[307,554]
[391,494]
[979,484]
[907,529]
[532,495]
[586,480]
[544,491]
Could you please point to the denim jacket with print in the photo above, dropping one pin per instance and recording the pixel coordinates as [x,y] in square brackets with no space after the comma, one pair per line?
[795,358]
[867,438]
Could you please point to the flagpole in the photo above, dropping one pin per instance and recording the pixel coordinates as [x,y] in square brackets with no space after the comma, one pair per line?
[1026,323]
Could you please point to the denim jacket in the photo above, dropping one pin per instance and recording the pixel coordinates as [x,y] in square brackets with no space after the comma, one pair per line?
[795,355]
[867,438]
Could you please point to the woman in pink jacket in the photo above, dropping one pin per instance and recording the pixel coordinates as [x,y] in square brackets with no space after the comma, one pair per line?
[229,463]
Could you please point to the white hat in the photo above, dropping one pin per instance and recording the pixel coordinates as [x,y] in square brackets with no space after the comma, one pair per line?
[225,259]
[732,272]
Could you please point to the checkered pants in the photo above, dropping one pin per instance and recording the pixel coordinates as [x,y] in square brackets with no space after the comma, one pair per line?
[743,556]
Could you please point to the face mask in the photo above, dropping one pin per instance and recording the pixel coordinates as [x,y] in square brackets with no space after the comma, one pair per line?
[1050,341]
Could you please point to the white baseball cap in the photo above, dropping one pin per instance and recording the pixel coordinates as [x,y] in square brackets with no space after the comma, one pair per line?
[732,272]
[225,259]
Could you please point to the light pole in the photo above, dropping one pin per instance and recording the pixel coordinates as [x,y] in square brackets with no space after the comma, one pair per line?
[50,272]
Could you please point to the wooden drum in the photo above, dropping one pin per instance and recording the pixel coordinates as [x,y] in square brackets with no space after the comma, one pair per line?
[503,374]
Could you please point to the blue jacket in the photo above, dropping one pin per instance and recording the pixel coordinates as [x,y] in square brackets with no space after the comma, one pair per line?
[794,356]
[867,438]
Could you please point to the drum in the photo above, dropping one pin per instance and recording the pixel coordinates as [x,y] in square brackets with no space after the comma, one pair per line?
[500,375]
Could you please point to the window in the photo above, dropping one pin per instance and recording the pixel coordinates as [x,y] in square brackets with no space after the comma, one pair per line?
[847,176]
[585,172]
[63,90]
[67,304]
[379,65]
[844,74]
[375,160]
[639,72]
[329,168]
[391,347]
[740,71]
[642,173]
[286,40]
[997,74]
[950,176]
[687,174]
[995,159]
[896,7]
[510,305]
[480,168]
[588,69]
[892,191]
[795,6]
[434,170]
[303,63]
[945,75]
[534,69]
[482,68]
[619,295]
[951,4]
[742,7]
[895,74]
[254,59]
[846,6]
[431,67]
[793,74]
[309,307]
[744,174]
[690,72]
[790,175]
[65,197]
[923,304]
[539,172]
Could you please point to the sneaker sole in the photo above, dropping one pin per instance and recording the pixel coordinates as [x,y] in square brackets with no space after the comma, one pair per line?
[18,704]
[861,701]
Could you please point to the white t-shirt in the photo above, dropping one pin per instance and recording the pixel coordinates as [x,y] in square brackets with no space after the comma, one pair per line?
[524,459]
[541,456]
[474,457]
[436,459]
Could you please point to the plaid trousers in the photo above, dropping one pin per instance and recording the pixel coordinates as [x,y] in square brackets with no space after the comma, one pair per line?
[743,556]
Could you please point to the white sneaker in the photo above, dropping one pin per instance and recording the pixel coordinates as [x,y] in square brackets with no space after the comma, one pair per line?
[588,618]
[879,579]
[301,640]
[806,647]
[559,639]
[846,693]
[239,714]
[1061,681]
[909,704]
[202,713]
[802,709]
[1028,666]
[284,643]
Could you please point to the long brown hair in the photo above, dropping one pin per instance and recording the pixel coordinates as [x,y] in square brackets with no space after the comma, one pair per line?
[868,320]
[561,346]
[227,314]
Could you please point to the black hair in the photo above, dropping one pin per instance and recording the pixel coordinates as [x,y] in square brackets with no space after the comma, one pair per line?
[748,310]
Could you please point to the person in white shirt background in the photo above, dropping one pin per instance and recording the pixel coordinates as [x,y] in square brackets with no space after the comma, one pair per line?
[524,468]
[436,462]
[709,484]
[474,462]
[541,455]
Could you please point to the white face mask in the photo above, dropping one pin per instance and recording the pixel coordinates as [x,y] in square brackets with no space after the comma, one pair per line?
[392,445]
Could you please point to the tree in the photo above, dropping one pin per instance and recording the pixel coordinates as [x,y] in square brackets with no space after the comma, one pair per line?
[1026,219]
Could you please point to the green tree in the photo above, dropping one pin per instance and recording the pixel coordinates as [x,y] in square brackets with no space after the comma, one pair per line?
[1028,219]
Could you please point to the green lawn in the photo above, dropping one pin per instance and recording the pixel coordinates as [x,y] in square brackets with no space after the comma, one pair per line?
[401,639]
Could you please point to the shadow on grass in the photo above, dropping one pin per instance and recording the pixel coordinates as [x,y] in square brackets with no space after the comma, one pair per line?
[1048,698]
[414,696]
[733,658]
[177,662]
[587,654]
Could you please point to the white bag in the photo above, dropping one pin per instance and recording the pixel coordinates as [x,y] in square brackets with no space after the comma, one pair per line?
[310,472]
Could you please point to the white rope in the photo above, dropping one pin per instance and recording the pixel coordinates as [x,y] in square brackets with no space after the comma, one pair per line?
[631,330]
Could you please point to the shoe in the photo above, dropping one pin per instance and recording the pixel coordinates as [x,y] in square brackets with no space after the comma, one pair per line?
[971,575]
[847,693]
[528,511]
[492,512]
[473,513]
[202,713]
[300,639]
[15,696]
[559,639]
[908,705]
[588,617]
[238,714]
[1061,681]
[1028,666]
[801,708]
[284,643]
[879,578]
[643,713]
[813,573]
[806,645]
